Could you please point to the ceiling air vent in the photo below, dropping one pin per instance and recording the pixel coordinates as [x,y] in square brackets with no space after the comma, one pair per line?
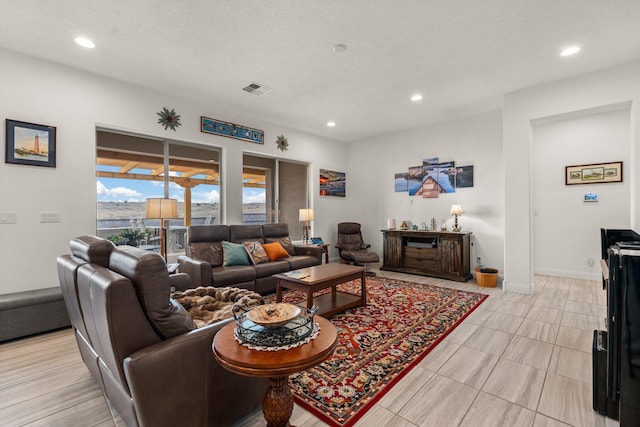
[256,88]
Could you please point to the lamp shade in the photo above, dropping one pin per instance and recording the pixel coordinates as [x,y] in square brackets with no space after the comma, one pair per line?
[456,210]
[162,208]
[305,215]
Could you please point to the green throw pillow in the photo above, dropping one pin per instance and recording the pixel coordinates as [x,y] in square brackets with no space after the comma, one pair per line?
[234,254]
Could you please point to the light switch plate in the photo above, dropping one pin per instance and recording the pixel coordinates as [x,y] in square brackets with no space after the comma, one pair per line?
[7,217]
[50,216]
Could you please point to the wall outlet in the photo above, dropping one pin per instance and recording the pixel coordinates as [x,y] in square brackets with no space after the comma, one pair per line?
[7,217]
[479,261]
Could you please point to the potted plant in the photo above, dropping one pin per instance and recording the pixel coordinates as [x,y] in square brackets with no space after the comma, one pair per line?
[127,237]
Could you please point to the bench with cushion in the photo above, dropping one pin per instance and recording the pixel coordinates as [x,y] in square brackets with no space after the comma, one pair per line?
[31,312]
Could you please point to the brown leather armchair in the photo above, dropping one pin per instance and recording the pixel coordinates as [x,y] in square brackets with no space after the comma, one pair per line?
[141,346]
[351,246]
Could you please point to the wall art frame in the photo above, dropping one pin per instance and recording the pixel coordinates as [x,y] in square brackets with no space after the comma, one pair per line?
[464,176]
[30,144]
[231,130]
[596,173]
[333,183]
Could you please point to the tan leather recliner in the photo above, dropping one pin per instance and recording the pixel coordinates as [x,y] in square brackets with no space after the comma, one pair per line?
[141,347]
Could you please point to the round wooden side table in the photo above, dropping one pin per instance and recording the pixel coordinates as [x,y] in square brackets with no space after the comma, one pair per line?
[277,404]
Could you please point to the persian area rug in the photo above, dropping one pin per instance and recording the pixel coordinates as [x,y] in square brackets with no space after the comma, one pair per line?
[378,344]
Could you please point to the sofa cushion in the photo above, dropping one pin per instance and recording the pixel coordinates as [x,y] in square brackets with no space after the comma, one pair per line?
[275,251]
[256,252]
[208,233]
[92,249]
[234,254]
[204,242]
[280,229]
[231,275]
[270,268]
[148,273]
[244,233]
[301,261]
[285,241]
[210,252]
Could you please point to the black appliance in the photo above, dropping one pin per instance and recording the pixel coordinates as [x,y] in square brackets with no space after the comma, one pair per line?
[609,237]
[621,375]
[601,402]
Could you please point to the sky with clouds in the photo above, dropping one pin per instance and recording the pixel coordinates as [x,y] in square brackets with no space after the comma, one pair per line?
[120,190]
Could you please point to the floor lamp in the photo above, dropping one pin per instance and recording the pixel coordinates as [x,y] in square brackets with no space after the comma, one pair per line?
[162,209]
[305,215]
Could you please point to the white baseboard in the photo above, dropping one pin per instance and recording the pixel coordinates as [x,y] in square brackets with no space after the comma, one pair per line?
[572,274]
[518,287]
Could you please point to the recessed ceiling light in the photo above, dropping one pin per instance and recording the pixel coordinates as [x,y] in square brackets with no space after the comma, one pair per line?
[340,47]
[85,42]
[331,124]
[416,97]
[572,50]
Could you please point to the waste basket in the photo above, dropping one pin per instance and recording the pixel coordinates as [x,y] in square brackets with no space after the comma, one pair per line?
[486,277]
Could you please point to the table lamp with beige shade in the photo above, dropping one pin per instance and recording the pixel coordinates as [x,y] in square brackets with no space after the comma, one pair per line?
[305,215]
[162,209]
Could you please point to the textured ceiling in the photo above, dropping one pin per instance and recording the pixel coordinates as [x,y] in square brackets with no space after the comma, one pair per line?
[462,55]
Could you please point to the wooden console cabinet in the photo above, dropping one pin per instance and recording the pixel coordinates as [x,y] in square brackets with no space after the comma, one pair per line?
[428,253]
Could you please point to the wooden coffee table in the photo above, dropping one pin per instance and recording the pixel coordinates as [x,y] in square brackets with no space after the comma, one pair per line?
[277,404]
[326,276]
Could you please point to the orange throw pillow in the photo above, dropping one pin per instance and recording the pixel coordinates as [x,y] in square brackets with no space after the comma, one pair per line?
[275,251]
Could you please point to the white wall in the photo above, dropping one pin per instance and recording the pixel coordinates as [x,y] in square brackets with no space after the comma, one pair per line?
[76,103]
[559,210]
[475,140]
[591,91]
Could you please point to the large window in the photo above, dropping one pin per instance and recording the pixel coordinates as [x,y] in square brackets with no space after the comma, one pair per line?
[131,169]
[274,190]
[257,189]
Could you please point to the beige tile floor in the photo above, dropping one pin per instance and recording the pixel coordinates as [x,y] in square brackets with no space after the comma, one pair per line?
[518,360]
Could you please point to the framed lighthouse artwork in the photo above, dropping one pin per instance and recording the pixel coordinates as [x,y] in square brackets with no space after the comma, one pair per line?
[30,144]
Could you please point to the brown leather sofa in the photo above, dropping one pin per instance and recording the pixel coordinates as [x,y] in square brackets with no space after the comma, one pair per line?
[141,346]
[204,256]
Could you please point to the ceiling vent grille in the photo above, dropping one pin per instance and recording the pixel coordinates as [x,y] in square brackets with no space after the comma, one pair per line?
[256,89]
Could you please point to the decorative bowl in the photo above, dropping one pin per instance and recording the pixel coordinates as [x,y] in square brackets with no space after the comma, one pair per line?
[273,315]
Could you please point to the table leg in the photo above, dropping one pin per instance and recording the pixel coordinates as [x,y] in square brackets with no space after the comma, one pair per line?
[309,299]
[278,292]
[363,288]
[277,404]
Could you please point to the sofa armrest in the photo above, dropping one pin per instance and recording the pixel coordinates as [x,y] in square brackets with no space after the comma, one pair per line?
[182,372]
[311,250]
[199,271]
[180,282]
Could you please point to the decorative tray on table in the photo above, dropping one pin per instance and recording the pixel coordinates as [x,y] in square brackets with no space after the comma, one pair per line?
[273,325]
